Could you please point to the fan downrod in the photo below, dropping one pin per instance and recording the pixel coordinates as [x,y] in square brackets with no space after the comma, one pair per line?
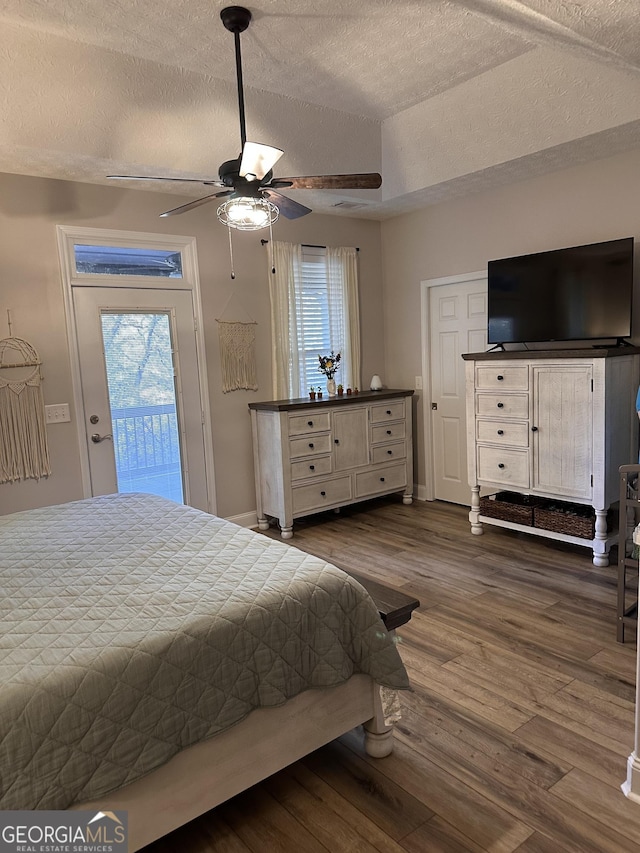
[236,19]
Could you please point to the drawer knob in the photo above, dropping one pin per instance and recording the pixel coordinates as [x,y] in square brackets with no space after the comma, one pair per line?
[501,405]
[309,423]
[500,464]
[323,494]
[388,432]
[311,445]
[390,452]
[500,377]
[534,429]
[388,411]
[500,432]
[336,441]
[312,467]
[382,479]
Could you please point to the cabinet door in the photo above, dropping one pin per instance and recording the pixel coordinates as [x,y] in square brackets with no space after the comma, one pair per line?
[350,438]
[561,421]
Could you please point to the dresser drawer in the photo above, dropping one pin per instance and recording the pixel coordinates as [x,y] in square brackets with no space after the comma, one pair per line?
[382,412]
[502,432]
[499,465]
[324,493]
[310,445]
[316,467]
[383,480]
[387,452]
[512,378]
[309,422]
[503,405]
[387,432]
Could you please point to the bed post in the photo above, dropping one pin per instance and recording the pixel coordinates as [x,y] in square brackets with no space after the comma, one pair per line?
[378,736]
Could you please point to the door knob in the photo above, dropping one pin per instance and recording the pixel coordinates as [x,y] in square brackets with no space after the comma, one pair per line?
[96,438]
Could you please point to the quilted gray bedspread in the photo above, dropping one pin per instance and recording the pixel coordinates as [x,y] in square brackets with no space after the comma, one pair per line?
[132,627]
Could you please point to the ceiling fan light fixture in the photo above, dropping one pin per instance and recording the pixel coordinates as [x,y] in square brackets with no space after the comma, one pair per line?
[248,180]
[247,213]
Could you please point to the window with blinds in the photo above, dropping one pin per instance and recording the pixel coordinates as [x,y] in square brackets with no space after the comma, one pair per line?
[313,316]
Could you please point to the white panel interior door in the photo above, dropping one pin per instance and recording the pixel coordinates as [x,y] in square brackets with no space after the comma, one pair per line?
[458,324]
[141,392]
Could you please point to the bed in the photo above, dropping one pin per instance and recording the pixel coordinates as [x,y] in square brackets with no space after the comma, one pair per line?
[158,659]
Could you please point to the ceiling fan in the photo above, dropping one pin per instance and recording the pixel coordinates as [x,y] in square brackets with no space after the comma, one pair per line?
[253,200]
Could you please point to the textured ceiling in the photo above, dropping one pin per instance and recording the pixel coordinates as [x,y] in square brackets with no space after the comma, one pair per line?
[444,98]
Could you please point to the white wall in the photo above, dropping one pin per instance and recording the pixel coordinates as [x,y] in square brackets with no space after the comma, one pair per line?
[585,204]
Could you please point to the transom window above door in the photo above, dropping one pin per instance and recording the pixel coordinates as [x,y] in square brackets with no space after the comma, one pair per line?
[127,260]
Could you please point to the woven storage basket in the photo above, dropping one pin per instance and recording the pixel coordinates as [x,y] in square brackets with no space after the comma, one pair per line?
[572,519]
[509,506]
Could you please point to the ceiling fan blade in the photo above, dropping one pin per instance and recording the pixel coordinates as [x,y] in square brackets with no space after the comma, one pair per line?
[206,181]
[258,160]
[287,206]
[190,205]
[365,181]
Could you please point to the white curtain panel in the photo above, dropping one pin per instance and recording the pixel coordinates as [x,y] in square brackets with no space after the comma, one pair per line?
[286,258]
[342,273]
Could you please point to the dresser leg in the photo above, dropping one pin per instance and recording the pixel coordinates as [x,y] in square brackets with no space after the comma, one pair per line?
[263,524]
[286,532]
[474,512]
[407,499]
[600,548]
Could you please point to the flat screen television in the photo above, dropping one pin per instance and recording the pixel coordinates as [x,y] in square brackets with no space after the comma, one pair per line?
[580,293]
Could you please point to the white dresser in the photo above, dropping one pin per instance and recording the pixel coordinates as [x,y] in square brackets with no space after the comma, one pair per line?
[311,456]
[553,424]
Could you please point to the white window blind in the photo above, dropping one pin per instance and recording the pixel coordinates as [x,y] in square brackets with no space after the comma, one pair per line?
[313,317]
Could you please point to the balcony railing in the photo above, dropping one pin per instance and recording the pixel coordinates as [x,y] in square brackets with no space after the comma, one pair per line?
[147,449]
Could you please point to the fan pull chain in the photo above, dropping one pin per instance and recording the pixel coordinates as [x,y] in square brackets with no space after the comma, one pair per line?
[233,275]
[273,269]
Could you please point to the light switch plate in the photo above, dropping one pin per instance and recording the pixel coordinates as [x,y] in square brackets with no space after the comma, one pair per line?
[57,413]
[418,383]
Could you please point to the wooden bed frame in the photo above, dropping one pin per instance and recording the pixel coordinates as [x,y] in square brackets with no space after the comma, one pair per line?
[205,775]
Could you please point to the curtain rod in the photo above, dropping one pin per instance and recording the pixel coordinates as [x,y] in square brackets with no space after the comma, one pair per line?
[306,245]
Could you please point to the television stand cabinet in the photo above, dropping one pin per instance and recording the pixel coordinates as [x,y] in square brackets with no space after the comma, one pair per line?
[310,456]
[557,424]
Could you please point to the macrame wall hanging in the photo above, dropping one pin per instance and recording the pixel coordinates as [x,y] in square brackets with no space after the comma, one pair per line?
[237,353]
[24,453]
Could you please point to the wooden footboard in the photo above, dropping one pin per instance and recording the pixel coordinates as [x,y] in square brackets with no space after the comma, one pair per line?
[203,776]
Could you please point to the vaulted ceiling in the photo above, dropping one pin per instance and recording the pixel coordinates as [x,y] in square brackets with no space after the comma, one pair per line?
[443,97]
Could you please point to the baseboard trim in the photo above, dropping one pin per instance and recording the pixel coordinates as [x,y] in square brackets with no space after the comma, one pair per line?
[420,492]
[246,519]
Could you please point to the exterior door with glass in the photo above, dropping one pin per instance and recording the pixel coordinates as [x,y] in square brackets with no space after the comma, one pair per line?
[141,393]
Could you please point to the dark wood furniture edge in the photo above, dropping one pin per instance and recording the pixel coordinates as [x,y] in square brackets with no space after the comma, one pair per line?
[342,400]
[531,354]
[626,615]
[395,607]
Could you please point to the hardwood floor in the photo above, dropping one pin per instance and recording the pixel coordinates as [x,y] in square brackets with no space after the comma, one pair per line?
[521,718]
